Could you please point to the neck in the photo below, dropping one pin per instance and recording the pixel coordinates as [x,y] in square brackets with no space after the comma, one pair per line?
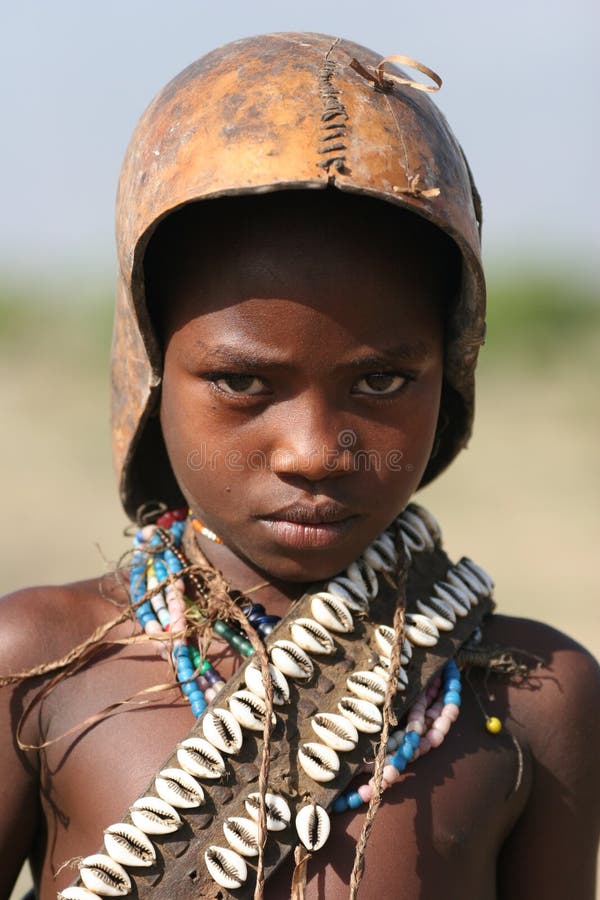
[254,582]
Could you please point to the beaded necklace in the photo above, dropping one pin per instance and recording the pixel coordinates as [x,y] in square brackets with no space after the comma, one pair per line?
[158,557]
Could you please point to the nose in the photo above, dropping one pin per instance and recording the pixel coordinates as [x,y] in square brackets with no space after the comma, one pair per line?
[314,443]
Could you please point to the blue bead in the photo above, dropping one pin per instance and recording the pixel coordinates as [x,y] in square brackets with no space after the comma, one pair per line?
[185,669]
[196,695]
[156,540]
[264,630]
[413,737]
[176,530]
[181,650]
[453,684]
[452,697]
[198,707]
[451,669]
[255,612]
[407,750]
[189,688]
[340,804]
[398,761]
[172,562]
[160,570]
[266,620]
[163,616]
[354,800]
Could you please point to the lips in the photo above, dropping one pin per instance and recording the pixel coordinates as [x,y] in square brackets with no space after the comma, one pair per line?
[306,526]
[324,513]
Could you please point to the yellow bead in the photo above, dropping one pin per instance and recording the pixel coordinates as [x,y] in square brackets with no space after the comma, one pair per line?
[493,725]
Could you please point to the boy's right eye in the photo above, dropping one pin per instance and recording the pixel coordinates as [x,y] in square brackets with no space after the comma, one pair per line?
[232,384]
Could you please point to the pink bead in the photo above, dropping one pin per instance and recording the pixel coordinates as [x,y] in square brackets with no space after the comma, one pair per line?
[210,694]
[452,711]
[425,745]
[442,724]
[153,627]
[148,531]
[436,738]
[434,710]
[391,774]
[365,793]
[417,725]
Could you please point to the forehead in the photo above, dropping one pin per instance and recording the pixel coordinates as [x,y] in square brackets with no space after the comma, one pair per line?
[317,248]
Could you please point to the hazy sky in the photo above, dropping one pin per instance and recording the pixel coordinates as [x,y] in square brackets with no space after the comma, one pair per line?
[521,85]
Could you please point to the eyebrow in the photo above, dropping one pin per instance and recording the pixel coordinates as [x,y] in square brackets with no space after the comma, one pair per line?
[248,358]
[408,351]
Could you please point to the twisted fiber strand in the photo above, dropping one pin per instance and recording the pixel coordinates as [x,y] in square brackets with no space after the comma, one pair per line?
[388,720]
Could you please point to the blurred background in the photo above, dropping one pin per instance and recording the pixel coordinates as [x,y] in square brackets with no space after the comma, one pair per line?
[520,91]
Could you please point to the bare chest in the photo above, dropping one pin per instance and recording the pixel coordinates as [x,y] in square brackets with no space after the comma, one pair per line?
[443,824]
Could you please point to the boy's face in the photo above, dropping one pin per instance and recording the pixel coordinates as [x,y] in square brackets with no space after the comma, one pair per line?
[302,380]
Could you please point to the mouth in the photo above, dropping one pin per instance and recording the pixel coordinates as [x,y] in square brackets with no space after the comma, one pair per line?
[310,525]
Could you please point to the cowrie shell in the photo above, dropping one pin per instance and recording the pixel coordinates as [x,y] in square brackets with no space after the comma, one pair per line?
[179,788]
[454,597]
[429,520]
[331,612]
[420,630]
[310,635]
[74,892]
[474,583]
[361,573]
[242,835]
[367,686]
[484,577]
[103,875]
[441,613]
[385,638]
[154,816]
[254,682]
[198,757]
[415,521]
[382,670]
[226,867]
[313,826]
[365,716]
[222,729]
[374,559]
[385,547]
[335,731]
[291,660]
[129,846]
[349,593]
[278,811]
[412,537]
[320,763]
[249,710]
[458,581]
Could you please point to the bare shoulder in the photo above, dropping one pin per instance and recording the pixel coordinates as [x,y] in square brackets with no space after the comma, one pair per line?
[552,850]
[567,679]
[41,624]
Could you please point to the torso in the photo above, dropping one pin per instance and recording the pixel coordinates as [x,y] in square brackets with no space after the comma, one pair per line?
[440,829]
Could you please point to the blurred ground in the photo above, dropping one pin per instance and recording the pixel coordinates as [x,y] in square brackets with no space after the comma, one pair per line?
[522,501]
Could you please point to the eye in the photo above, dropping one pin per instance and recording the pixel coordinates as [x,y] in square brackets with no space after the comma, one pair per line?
[380,383]
[246,385]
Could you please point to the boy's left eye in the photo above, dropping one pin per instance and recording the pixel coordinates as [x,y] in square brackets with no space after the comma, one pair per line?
[380,383]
